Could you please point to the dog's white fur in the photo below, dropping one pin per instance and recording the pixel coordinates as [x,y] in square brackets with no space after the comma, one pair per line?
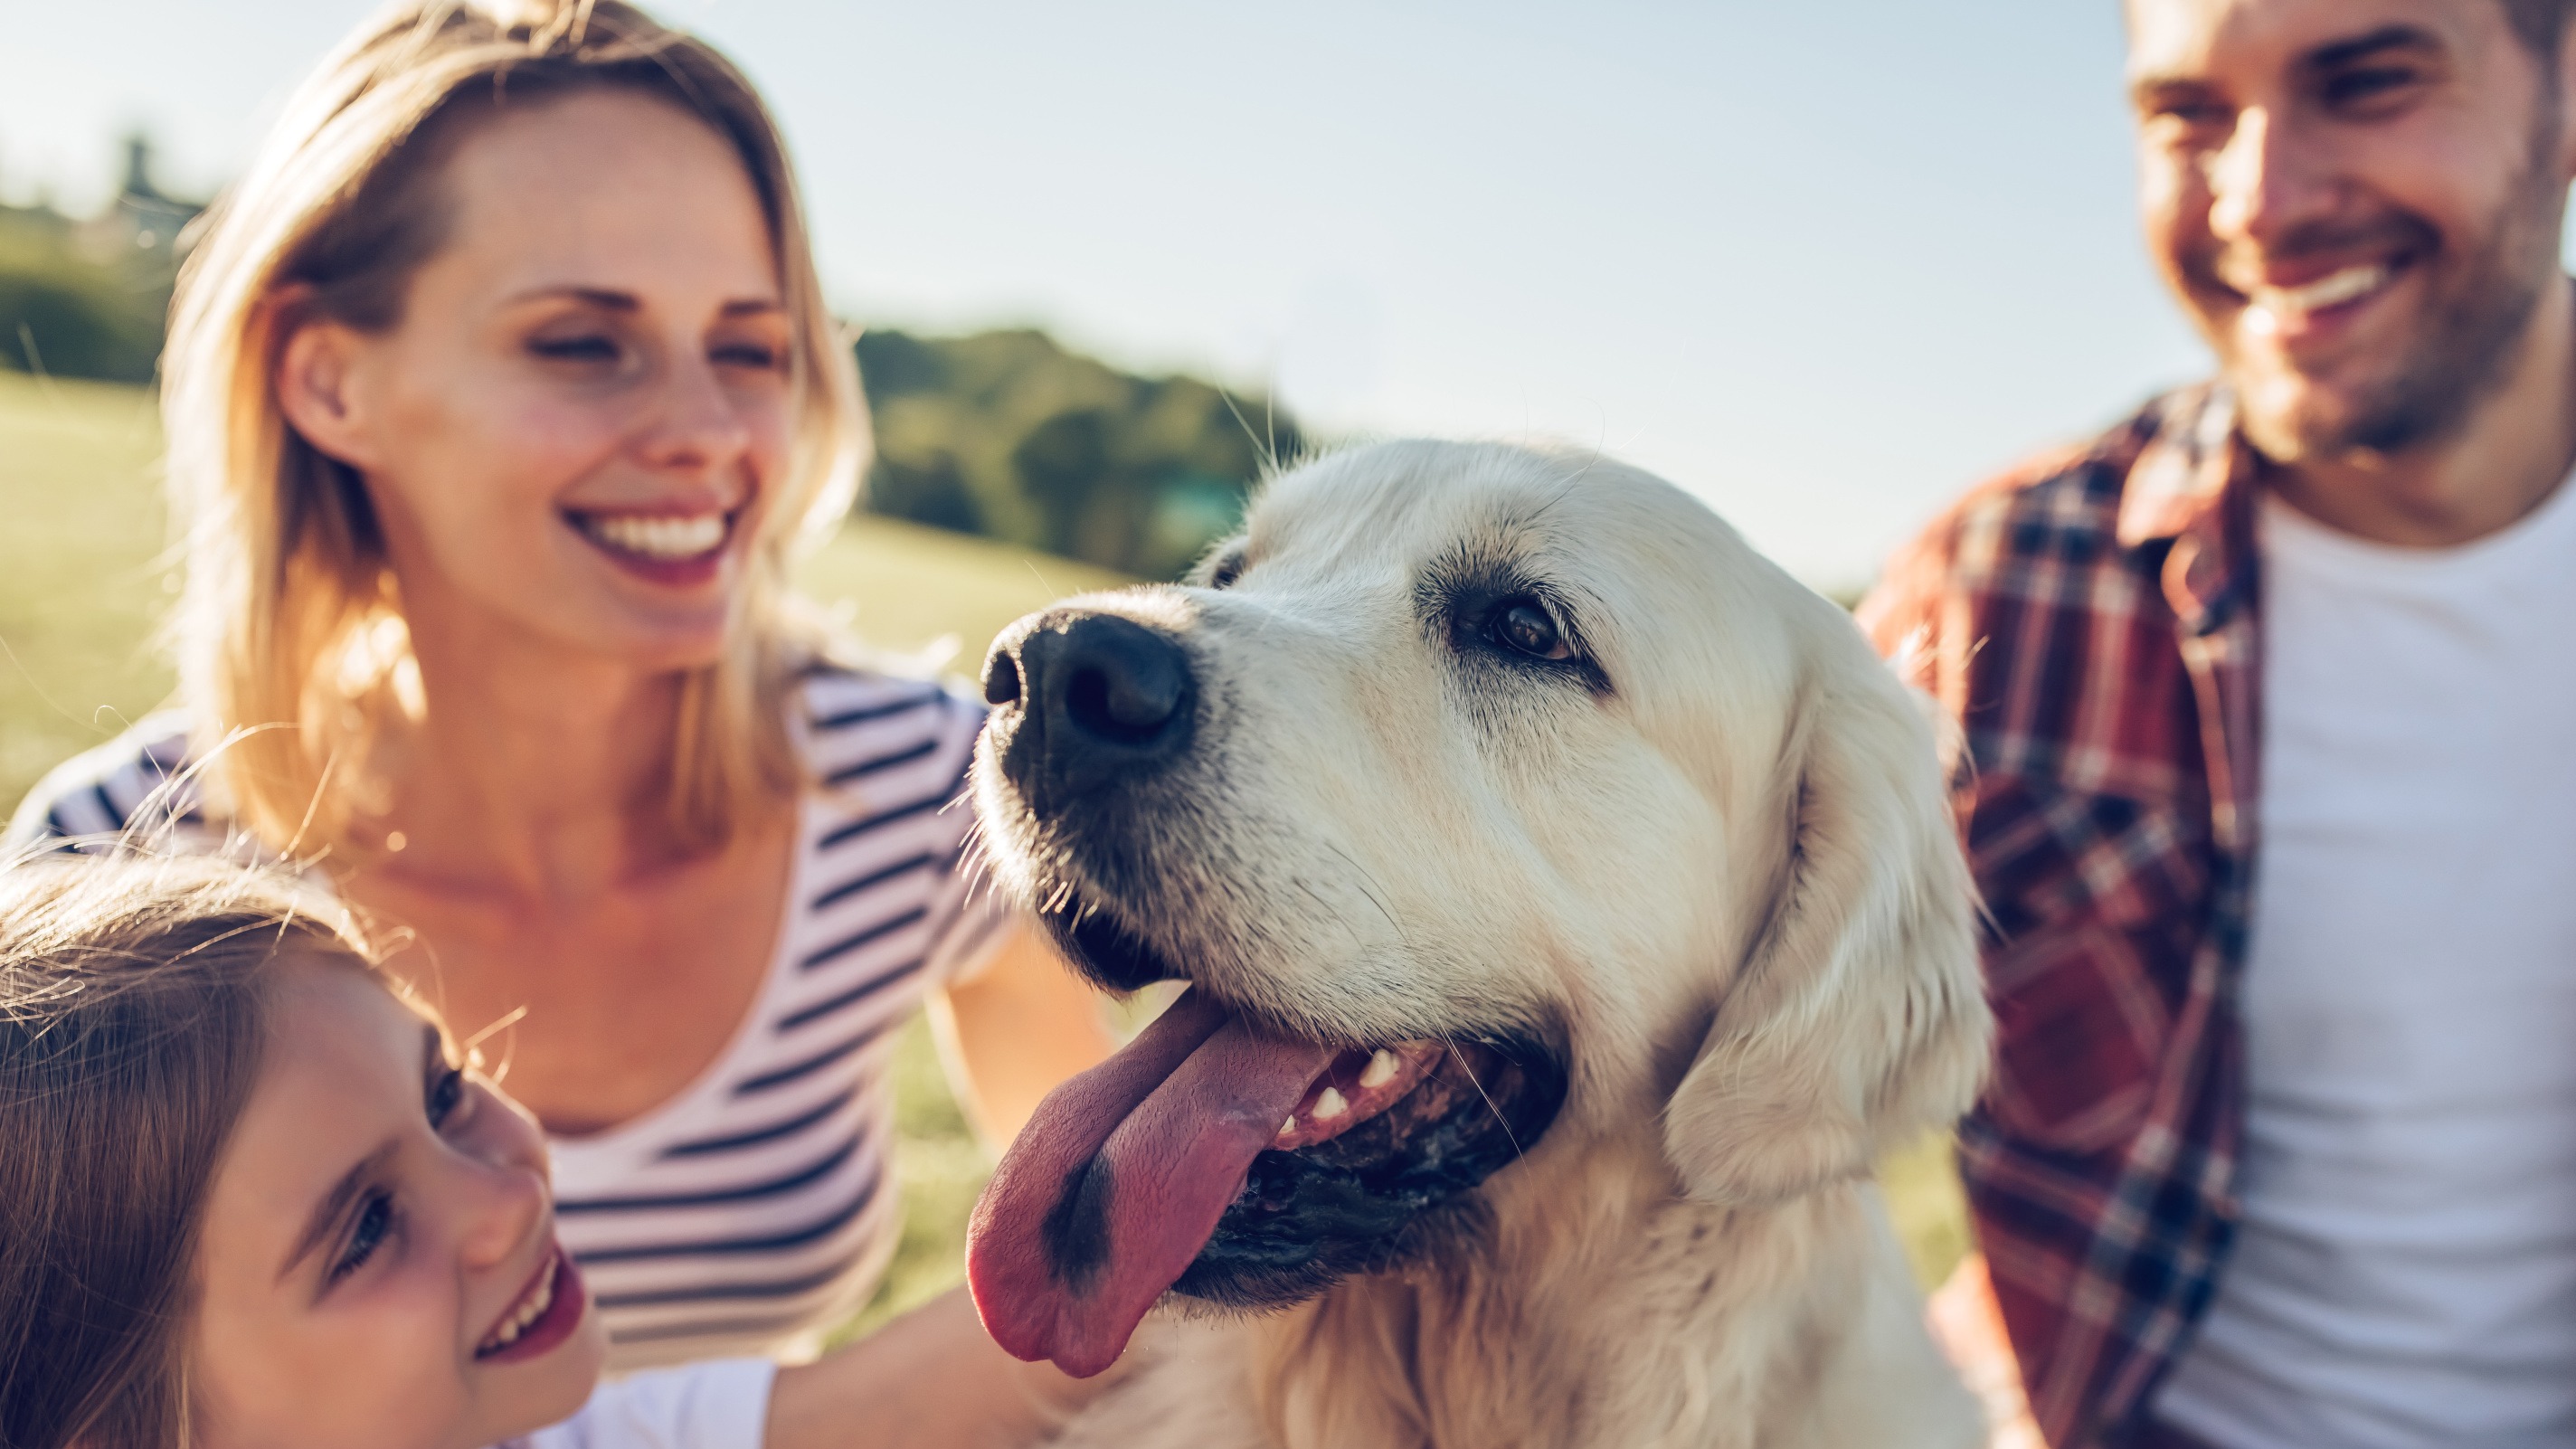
[1726,884]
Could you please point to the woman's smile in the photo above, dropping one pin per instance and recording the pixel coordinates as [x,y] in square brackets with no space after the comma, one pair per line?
[677,550]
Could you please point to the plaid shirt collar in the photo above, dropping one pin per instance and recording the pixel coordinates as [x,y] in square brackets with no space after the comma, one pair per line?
[2193,489]
[2188,487]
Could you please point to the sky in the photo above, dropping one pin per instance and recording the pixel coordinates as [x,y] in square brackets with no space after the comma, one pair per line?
[1823,265]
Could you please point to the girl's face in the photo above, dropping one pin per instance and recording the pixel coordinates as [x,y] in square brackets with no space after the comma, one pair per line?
[379,1262]
[572,434]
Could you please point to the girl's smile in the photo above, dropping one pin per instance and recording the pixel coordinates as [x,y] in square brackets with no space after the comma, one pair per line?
[545,1315]
[379,1254]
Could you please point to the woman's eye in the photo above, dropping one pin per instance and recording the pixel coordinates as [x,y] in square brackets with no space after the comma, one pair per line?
[585,348]
[1526,627]
[375,1221]
[765,359]
[446,1090]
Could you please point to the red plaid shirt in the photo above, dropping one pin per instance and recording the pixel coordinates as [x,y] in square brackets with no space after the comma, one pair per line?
[2090,623]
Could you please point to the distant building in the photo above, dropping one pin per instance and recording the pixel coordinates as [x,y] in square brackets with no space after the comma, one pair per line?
[143,218]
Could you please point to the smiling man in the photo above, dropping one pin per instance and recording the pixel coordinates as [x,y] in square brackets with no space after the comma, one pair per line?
[2269,769]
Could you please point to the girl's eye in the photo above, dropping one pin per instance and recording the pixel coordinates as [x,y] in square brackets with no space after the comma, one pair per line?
[446,1090]
[375,1221]
[1524,626]
[584,348]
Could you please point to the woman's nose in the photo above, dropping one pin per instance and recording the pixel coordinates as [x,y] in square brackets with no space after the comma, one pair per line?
[700,426]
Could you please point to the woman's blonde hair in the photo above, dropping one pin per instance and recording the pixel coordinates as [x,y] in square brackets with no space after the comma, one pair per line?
[290,617]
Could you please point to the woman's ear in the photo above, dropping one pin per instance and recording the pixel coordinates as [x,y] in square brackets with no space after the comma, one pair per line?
[1858,1019]
[315,380]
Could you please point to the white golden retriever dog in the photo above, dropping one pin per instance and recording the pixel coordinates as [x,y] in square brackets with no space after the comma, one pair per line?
[1571,916]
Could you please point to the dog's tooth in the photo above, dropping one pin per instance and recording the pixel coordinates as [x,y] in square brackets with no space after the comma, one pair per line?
[1329,1105]
[1288,1126]
[1381,1069]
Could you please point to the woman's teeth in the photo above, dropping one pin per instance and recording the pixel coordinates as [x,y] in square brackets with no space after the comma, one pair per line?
[529,1311]
[657,537]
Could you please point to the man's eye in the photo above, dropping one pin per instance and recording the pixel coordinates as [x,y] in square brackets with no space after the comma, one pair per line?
[374,1222]
[446,1090]
[2194,114]
[1524,626]
[585,348]
[2362,87]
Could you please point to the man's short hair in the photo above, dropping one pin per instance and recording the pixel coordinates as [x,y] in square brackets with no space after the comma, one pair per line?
[2539,23]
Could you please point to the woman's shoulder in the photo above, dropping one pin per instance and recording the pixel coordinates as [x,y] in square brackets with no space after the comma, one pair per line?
[107,790]
[855,723]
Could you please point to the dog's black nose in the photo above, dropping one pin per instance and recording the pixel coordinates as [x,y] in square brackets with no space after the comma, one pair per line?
[1097,699]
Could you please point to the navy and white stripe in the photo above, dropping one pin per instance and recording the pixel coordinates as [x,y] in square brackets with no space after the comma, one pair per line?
[757,1206]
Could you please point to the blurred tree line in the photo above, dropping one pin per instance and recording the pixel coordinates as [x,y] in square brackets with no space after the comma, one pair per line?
[1010,435]
[1001,433]
[87,298]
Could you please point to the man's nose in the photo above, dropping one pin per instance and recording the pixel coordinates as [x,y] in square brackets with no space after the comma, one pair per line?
[2265,180]
[1088,700]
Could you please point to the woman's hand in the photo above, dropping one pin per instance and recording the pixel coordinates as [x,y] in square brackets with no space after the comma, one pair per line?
[929,1380]
[1014,1032]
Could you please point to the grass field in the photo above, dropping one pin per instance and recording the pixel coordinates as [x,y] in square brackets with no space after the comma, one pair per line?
[84,576]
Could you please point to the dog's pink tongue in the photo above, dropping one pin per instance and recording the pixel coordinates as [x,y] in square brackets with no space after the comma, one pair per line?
[1120,1177]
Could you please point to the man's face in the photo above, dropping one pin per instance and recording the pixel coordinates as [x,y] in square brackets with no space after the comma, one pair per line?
[2357,201]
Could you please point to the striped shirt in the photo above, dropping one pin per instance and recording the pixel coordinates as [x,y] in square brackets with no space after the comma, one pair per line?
[754,1208]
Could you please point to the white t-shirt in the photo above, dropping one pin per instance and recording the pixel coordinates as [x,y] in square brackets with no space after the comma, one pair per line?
[2405,1270]
[722,1404]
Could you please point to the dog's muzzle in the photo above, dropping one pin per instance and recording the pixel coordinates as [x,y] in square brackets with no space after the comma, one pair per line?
[1084,702]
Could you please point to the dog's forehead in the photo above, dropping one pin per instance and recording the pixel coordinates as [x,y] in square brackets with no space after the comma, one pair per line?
[1395,508]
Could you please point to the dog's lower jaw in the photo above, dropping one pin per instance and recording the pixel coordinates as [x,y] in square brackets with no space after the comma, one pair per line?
[1801,1319]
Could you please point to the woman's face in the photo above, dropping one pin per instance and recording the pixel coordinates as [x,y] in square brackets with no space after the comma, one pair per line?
[379,1263]
[575,429]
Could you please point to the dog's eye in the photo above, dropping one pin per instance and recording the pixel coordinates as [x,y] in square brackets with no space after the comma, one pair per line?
[1525,626]
[1227,568]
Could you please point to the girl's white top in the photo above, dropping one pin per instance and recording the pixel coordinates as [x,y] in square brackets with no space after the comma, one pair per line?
[718,1405]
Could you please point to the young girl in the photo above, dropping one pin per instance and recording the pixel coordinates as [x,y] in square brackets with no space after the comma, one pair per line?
[252,1195]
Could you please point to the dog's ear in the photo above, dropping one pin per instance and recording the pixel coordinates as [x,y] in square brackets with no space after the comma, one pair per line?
[1858,1018]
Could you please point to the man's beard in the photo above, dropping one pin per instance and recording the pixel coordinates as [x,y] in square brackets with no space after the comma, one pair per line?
[2462,349]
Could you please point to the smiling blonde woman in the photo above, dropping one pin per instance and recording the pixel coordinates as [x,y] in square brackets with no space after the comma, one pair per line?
[500,392]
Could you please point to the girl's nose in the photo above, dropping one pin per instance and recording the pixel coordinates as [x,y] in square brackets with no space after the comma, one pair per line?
[502,1192]
[503,1205]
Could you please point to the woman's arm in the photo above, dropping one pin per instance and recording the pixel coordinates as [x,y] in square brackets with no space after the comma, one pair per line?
[929,1380]
[1010,1035]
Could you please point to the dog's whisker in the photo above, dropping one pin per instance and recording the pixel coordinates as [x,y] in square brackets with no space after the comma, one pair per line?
[1368,888]
[1499,1119]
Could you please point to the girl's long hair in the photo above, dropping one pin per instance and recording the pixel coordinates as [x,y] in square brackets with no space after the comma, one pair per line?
[290,626]
[132,1027]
